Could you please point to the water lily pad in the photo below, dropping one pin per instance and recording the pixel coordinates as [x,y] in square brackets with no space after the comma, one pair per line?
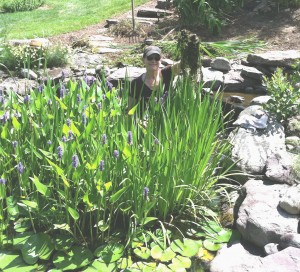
[75,258]
[163,255]
[210,245]
[143,266]
[187,248]
[142,252]
[176,268]
[224,236]
[98,265]
[110,253]
[162,268]
[124,263]
[38,246]
[181,261]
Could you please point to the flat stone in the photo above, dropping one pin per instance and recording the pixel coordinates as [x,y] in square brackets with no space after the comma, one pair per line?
[221,64]
[164,4]
[105,50]
[260,100]
[153,13]
[290,201]
[252,72]
[101,44]
[100,38]
[212,78]
[19,86]
[126,73]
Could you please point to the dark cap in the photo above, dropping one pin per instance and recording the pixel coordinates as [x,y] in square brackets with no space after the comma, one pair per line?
[151,50]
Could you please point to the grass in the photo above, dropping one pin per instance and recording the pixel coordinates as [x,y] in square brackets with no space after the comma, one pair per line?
[61,16]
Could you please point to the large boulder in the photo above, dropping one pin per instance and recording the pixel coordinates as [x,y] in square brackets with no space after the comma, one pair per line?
[250,149]
[260,219]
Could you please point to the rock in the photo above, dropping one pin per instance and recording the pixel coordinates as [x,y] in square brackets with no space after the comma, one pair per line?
[293,141]
[236,99]
[252,72]
[128,73]
[279,168]
[84,60]
[275,58]
[212,78]
[221,64]
[251,150]
[163,4]
[290,201]
[153,13]
[293,126]
[110,22]
[27,73]
[259,220]
[105,50]
[271,248]
[260,100]
[20,86]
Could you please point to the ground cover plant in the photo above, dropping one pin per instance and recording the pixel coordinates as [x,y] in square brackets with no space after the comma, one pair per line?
[61,16]
[84,183]
[20,5]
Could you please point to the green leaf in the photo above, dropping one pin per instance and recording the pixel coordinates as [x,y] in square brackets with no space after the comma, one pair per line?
[30,204]
[63,242]
[162,255]
[42,188]
[224,236]
[73,213]
[210,245]
[38,246]
[146,220]
[187,248]
[180,261]
[124,263]
[11,262]
[62,105]
[60,172]
[22,224]
[77,257]
[98,266]
[12,207]
[115,197]
[16,123]
[109,253]
[133,109]
[20,239]
[142,252]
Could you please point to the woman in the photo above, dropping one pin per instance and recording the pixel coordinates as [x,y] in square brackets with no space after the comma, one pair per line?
[149,83]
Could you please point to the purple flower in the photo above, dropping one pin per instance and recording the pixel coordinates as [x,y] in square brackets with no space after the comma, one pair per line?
[109,85]
[116,154]
[71,135]
[129,138]
[59,152]
[2,181]
[146,193]
[14,144]
[5,117]
[64,139]
[68,122]
[104,139]
[62,91]
[20,168]
[101,165]
[103,97]
[75,161]
[1,99]
[40,88]
[84,118]
[49,142]
[78,98]
[156,141]
[99,106]
[26,98]
[63,75]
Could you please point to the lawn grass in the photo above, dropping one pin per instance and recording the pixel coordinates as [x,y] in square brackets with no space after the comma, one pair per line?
[61,16]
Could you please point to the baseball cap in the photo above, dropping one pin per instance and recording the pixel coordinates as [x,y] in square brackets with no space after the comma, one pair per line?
[151,50]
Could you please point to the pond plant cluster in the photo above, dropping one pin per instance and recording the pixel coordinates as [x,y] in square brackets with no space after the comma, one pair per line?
[86,185]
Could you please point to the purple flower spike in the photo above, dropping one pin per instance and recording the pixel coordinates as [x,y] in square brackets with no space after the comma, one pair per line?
[49,142]
[2,181]
[26,98]
[64,139]
[5,117]
[109,85]
[59,152]
[68,122]
[78,98]
[116,154]
[71,135]
[75,161]
[146,193]
[104,139]
[20,168]
[99,106]
[129,138]
[14,144]
[84,119]
[101,165]
[40,88]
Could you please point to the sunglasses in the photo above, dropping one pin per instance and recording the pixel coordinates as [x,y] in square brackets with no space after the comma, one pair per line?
[153,57]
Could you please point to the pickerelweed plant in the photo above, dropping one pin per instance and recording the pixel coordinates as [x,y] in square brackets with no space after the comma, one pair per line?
[74,161]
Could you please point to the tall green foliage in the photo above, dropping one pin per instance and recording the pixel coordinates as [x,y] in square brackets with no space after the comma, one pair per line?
[20,5]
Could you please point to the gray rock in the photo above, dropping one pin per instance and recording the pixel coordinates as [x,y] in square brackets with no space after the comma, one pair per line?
[279,168]
[259,220]
[252,72]
[271,248]
[293,140]
[251,150]
[27,73]
[212,78]
[221,64]
[293,126]
[290,201]
[164,4]
[20,86]
[260,100]
[86,60]
[126,73]
[153,13]
[290,240]
[106,50]
[275,58]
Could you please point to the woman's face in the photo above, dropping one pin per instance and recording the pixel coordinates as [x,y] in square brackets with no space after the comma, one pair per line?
[152,62]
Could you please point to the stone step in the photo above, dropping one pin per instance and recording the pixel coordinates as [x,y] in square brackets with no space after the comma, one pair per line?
[164,4]
[153,13]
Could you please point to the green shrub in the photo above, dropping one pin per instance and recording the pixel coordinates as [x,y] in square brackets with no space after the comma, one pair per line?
[21,5]
[285,95]
[15,58]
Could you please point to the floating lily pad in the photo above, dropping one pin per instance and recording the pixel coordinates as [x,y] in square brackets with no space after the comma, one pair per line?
[176,268]
[142,252]
[162,268]
[224,236]
[98,266]
[109,253]
[181,261]
[210,245]
[37,246]
[75,258]
[163,255]
[124,263]
[187,248]
[143,266]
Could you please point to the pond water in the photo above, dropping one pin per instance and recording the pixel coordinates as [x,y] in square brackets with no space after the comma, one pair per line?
[247,98]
